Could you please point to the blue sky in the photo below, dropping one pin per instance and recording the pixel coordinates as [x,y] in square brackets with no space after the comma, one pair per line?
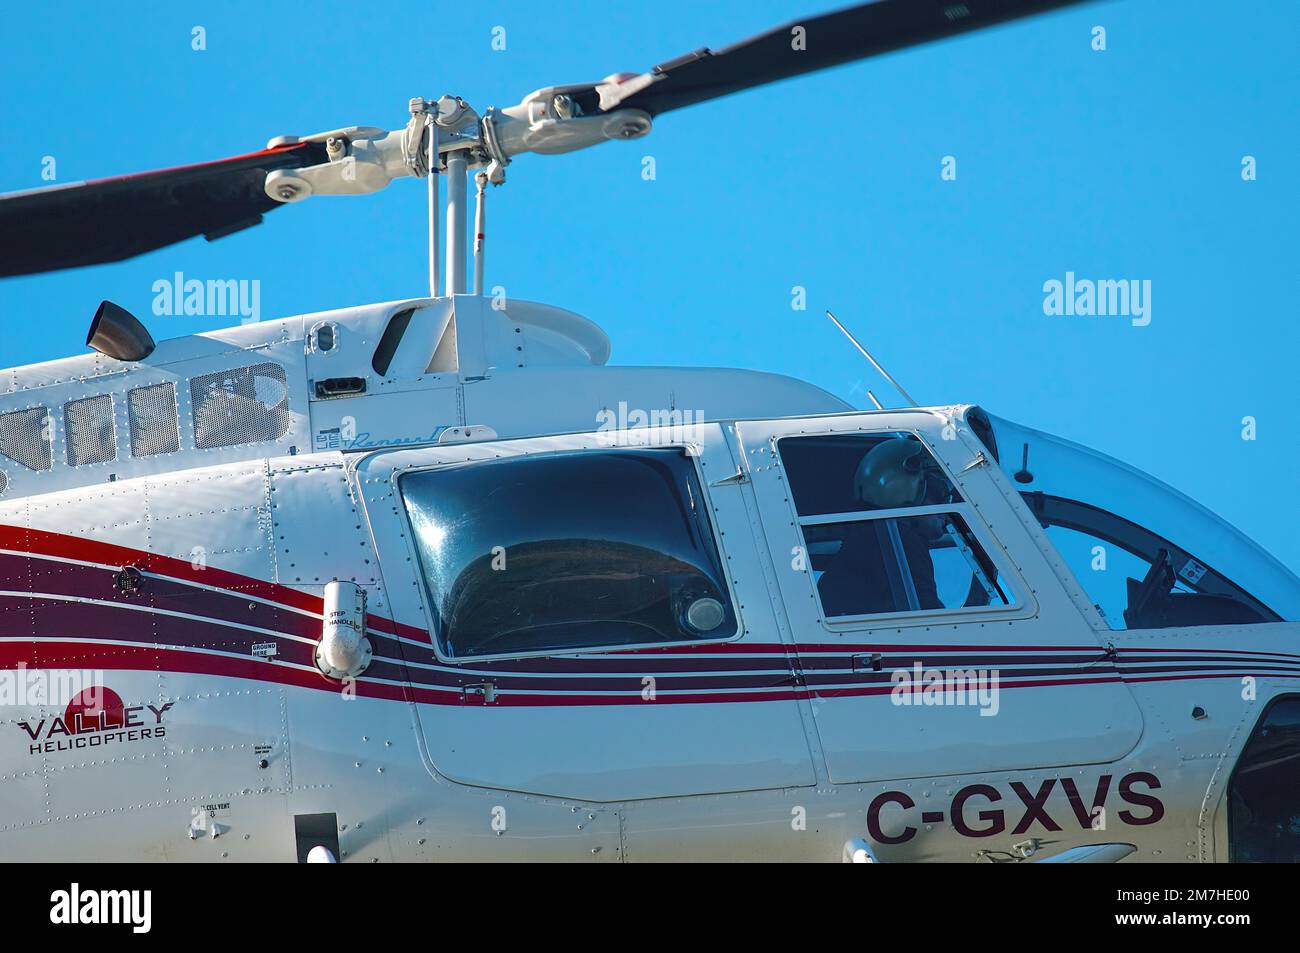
[1122,164]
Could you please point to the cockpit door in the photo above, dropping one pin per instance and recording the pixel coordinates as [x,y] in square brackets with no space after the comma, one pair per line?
[601,626]
[932,636]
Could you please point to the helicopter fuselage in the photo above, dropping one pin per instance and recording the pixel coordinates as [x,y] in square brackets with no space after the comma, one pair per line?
[664,677]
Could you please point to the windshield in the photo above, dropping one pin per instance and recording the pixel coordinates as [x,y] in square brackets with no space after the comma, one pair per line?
[1105,515]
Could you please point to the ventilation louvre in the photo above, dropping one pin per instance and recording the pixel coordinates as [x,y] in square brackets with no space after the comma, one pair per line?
[239,406]
[152,413]
[24,437]
[88,425]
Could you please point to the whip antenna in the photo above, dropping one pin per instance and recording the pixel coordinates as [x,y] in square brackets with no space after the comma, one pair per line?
[874,363]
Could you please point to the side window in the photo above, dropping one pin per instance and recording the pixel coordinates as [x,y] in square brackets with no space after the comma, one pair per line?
[1135,578]
[884,529]
[568,551]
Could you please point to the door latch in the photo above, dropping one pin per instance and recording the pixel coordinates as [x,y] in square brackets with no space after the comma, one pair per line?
[867,663]
[479,693]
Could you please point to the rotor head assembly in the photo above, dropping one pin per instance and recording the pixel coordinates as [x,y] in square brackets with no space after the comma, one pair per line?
[81,224]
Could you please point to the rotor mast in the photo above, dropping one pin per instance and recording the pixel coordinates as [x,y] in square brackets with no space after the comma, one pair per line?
[448,138]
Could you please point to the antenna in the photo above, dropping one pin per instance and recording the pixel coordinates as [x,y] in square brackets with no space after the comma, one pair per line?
[874,363]
[875,400]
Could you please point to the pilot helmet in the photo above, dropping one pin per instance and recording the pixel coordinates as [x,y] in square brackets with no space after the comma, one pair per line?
[898,472]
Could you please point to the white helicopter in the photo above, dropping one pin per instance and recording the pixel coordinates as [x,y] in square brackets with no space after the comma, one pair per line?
[426,580]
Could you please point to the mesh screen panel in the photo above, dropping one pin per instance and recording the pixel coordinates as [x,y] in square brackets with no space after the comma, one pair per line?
[88,426]
[24,438]
[152,413]
[244,405]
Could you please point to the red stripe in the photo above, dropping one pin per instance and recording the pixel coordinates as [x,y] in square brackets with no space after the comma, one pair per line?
[1218,651]
[1181,678]
[59,545]
[894,648]
[841,648]
[887,689]
[43,543]
[151,659]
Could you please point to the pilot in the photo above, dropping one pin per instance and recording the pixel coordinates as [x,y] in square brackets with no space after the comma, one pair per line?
[895,474]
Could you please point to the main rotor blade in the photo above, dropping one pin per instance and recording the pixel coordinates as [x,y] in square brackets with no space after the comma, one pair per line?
[810,44]
[86,223]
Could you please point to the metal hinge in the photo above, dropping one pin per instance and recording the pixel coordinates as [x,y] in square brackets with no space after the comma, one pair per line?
[736,478]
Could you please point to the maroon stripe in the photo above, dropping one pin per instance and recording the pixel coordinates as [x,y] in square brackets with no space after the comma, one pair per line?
[887,676]
[1240,673]
[598,664]
[155,658]
[24,616]
[1216,650]
[1253,659]
[54,577]
[43,544]
[841,647]
[903,659]
[1131,674]
[126,618]
[593,683]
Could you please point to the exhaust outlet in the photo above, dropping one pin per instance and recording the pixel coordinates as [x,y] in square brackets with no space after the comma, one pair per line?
[118,333]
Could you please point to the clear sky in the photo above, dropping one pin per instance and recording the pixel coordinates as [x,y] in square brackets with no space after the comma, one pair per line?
[1116,164]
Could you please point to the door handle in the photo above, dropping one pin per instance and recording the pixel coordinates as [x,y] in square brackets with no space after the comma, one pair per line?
[867,663]
[479,693]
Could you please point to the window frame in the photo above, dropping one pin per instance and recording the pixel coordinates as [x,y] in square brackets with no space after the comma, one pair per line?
[689,451]
[1012,584]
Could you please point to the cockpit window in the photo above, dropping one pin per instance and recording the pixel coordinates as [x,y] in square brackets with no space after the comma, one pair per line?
[1146,555]
[1139,580]
[884,530]
[568,551]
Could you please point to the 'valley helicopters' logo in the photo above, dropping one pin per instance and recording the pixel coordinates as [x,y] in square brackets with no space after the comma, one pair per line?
[96,717]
